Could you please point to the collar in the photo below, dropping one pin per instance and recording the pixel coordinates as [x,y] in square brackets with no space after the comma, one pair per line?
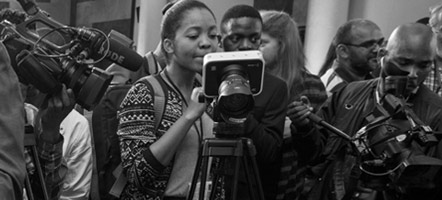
[343,71]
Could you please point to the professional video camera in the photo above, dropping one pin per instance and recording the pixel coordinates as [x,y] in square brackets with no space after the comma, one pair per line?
[47,65]
[388,157]
[232,79]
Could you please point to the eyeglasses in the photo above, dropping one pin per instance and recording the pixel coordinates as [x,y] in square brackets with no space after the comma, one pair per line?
[367,44]
[436,30]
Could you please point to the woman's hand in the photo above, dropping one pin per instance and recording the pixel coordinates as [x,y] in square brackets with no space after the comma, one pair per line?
[196,108]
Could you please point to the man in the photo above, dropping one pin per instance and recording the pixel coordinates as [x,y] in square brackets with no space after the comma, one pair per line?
[355,47]
[12,168]
[241,28]
[49,142]
[433,80]
[405,63]
[63,138]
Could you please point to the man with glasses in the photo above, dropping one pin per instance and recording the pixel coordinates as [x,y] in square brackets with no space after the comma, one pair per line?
[433,80]
[356,44]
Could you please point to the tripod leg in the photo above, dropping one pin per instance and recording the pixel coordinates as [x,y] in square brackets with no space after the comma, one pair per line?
[40,172]
[217,179]
[257,178]
[29,191]
[203,177]
[248,177]
[250,153]
[201,164]
[195,178]
[236,178]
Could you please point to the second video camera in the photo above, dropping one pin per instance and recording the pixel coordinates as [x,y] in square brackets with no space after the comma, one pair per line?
[47,62]
[233,79]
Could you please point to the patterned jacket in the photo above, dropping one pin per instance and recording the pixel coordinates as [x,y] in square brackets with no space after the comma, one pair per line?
[147,177]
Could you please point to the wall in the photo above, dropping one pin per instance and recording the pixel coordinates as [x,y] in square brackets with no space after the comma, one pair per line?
[390,13]
[58,9]
[89,12]
[386,13]
[151,31]
[323,19]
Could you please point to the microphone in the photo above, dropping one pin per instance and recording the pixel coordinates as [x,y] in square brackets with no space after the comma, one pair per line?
[316,119]
[119,53]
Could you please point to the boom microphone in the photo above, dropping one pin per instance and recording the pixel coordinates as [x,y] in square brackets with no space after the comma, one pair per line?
[315,118]
[119,54]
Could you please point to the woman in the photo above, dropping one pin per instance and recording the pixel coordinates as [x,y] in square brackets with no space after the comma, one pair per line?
[283,53]
[160,163]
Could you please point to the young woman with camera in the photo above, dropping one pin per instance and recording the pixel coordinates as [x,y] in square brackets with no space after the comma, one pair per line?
[161,162]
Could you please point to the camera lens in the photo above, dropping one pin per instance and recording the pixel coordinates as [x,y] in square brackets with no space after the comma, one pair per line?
[235,99]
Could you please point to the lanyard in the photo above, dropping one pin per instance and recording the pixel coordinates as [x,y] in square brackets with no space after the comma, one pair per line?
[199,131]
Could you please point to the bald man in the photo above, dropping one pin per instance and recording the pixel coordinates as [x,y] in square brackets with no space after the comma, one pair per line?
[354,50]
[347,172]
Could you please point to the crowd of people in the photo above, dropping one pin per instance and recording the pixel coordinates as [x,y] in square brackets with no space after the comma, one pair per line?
[368,126]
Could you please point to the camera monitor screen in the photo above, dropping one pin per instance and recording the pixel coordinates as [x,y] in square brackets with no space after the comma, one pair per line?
[251,63]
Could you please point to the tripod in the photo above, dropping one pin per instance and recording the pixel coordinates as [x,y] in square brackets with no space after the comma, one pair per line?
[30,142]
[242,149]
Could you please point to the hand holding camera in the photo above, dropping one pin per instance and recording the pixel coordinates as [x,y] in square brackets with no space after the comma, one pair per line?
[195,108]
[54,110]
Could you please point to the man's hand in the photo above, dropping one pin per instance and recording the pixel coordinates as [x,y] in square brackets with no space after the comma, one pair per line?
[53,111]
[298,111]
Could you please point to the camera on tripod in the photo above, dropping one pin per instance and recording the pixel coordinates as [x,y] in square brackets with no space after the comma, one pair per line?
[48,64]
[232,79]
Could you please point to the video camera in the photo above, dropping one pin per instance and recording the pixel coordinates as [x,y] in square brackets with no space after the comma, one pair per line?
[232,79]
[47,65]
[388,157]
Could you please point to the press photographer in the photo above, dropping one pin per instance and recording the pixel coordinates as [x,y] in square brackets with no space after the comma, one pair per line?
[230,82]
[241,29]
[401,119]
[47,65]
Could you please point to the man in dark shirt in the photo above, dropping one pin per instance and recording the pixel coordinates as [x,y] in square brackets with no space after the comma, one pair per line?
[405,63]
[241,28]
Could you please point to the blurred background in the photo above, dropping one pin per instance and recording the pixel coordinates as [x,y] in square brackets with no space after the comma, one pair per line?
[318,20]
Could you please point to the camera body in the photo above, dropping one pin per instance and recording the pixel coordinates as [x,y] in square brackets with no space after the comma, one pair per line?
[232,79]
[215,64]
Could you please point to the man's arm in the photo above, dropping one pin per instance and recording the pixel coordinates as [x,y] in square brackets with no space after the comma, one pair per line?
[52,165]
[12,123]
[309,139]
[266,124]
[50,142]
